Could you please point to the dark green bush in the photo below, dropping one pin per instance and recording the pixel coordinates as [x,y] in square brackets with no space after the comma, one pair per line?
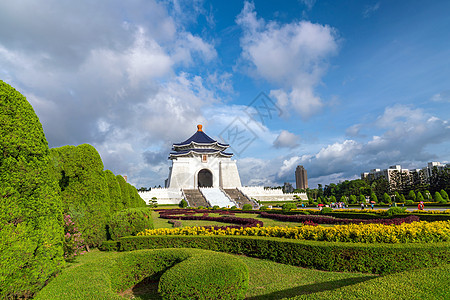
[263,208]
[126,201]
[209,276]
[326,210]
[393,211]
[247,207]
[183,203]
[216,207]
[31,220]
[329,256]
[115,194]
[288,206]
[129,222]
[84,190]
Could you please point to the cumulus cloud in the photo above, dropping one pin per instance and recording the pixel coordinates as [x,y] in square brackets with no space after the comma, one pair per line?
[109,74]
[407,133]
[286,139]
[293,56]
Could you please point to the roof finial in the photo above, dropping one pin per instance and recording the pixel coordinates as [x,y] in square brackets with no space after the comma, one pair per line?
[199,127]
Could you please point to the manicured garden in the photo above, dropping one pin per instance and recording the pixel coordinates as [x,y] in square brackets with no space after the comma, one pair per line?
[278,262]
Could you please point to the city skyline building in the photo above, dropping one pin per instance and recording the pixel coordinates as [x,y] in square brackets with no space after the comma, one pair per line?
[301,178]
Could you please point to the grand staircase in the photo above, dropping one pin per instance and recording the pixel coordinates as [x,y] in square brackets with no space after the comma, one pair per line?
[216,197]
[239,198]
[195,198]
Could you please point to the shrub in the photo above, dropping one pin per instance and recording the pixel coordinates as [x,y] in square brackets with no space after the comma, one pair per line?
[326,210]
[263,208]
[438,198]
[210,276]
[183,203]
[31,220]
[73,242]
[395,211]
[84,190]
[115,194]
[216,207]
[444,195]
[386,198]
[288,206]
[369,258]
[130,222]
[247,207]
[409,202]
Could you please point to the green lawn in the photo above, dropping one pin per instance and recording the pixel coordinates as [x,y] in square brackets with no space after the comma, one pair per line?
[84,278]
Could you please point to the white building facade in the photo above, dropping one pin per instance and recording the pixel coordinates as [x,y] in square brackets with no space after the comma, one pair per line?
[202,162]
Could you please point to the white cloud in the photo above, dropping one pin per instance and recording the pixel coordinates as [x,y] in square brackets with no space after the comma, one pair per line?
[407,134]
[293,56]
[308,3]
[286,139]
[441,97]
[370,9]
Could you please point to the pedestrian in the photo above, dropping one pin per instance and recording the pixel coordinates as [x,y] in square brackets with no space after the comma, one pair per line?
[372,205]
[362,205]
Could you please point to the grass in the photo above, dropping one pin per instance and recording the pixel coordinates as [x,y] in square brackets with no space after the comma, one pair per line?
[87,278]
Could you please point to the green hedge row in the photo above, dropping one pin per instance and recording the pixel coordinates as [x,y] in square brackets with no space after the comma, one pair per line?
[89,194]
[368,258]
[182,274]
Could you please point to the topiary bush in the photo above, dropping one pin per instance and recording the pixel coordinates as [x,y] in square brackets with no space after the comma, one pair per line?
[326,210]
[247,207]
[211,276]
[84,190]
[130,222]
[115,194]
[395,211]
[288,206]
[31,222]
[183,203]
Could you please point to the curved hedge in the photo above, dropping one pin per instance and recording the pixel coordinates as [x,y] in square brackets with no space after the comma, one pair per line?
[31,224]
[329,256]
[210,277]
[103,279]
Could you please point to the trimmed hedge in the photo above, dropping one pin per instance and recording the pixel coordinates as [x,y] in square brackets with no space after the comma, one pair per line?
[209,276]
[102,279]
[332,220]
[329,256]
[31,220]
[130,222]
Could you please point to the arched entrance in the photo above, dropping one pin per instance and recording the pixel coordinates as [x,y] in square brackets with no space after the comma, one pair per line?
[205,178]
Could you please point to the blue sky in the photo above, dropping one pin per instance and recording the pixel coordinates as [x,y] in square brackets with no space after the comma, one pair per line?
[350,85]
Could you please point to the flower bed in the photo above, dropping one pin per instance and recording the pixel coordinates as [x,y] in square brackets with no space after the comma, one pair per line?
[177,214]
[362,233]
[331,220]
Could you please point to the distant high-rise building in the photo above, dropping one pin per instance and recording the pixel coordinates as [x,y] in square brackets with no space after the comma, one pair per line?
[301,178]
